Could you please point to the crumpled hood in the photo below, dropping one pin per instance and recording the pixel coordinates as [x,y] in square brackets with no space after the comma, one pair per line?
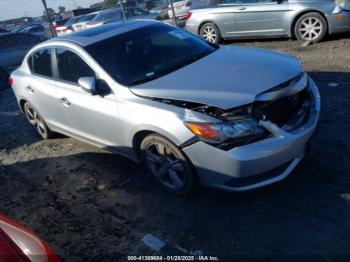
[227,78]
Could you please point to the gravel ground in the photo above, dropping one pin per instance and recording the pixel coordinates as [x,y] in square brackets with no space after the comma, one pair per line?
[87,203]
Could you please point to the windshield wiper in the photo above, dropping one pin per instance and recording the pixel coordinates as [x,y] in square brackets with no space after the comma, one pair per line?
[143,80]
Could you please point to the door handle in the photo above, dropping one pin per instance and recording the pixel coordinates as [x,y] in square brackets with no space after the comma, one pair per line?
[241,8]
[30,89]
[64,101]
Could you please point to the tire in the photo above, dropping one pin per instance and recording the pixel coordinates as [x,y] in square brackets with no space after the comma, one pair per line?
[311,27]
[37,121]
[167,165]
[210,33]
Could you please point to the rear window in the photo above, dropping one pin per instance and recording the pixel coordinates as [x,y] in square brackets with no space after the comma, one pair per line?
[71,21]
[40,63]
[106,16]
[130,12]
[87,18]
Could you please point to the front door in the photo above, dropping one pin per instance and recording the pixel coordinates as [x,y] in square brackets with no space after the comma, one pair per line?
[91,117]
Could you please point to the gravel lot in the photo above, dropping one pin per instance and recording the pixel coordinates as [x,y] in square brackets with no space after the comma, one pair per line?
[87,203]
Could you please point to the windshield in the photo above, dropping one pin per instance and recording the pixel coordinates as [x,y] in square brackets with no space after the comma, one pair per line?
[147,53]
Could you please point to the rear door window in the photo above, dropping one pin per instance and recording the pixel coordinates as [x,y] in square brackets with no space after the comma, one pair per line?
[40,63]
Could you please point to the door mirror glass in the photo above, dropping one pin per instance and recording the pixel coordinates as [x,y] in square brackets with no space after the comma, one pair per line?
[88,84]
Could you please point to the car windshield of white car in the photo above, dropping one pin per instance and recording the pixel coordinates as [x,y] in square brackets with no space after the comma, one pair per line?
[147,53]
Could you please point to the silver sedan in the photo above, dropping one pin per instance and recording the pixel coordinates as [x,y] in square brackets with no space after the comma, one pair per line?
[190,111]
[307,20]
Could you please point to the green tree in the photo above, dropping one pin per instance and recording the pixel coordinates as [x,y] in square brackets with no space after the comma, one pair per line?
[111,3]
[61,9]
[50,13]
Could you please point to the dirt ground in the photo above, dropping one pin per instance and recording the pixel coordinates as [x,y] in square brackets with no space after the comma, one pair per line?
[89,204]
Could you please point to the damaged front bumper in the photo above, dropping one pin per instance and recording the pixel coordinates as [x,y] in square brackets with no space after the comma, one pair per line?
[257,164]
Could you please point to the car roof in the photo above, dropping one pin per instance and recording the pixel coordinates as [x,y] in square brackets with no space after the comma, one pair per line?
[94,35]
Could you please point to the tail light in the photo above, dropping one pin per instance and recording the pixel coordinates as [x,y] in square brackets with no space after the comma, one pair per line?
[10,80]
[189,3]
[61,29]
[54,26]
[188,16]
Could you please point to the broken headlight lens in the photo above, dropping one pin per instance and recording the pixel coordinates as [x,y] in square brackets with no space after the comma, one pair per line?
[216,133]
[341,3]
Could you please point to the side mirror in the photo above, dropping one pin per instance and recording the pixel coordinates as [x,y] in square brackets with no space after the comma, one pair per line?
[88,84]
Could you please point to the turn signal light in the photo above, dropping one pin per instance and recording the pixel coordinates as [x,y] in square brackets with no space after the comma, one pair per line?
[203,130]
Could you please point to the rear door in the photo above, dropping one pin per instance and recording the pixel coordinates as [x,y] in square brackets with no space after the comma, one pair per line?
[262,18]
[90,117]
[41,89]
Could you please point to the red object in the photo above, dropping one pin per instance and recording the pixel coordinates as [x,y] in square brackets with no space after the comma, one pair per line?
[188,16]
[10,81]
[55,25]
[189,3]
[20,244]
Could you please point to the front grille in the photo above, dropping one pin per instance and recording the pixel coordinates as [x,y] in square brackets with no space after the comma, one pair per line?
[280,111]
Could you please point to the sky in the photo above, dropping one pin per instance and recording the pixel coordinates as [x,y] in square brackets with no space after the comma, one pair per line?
[18,8]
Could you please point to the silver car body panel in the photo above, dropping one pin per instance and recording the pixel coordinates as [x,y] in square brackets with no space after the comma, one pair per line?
[237,87]
[270,19]
[114,121]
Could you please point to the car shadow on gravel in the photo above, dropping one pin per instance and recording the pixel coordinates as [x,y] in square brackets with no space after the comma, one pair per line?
[95,204]
[329,38]
[15,131]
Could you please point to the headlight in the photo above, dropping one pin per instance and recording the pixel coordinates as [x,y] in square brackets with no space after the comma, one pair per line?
[217,133]
[341,3]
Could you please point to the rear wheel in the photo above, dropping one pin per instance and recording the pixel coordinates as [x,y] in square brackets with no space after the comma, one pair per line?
[210,33]
[165,162]
[37,121]
[311,27]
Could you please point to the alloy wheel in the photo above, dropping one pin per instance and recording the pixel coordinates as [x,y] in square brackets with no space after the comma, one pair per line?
[209,34]
[310,28]
[165,165]
[36,120]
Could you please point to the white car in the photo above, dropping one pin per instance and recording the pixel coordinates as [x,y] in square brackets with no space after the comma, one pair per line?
[181,8]
[67,28]
[81,25]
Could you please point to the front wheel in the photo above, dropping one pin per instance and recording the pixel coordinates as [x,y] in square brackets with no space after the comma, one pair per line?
[37,121]
[210,33]
[311,27]
[165,162]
